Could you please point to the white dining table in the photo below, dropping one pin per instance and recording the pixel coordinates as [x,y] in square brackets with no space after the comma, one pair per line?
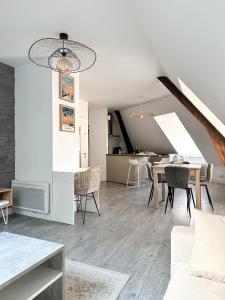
[160,169]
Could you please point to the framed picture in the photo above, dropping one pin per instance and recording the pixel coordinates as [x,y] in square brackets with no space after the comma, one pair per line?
[66,88]
[67,118]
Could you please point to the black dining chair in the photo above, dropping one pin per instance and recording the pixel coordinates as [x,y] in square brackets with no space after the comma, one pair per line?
[178,178]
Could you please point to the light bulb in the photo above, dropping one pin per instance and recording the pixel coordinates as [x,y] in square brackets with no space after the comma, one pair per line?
[64,66]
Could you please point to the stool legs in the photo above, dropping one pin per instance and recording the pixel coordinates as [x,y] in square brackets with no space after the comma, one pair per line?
[5,217]
[138,175]
[128,176]
[137,169]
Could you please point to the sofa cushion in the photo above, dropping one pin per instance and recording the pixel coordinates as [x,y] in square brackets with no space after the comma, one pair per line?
[182,239]
[183,286]
[208,255]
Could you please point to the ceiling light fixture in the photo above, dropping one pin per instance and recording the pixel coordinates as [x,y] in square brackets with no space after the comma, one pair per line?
[141,114]
[62,55]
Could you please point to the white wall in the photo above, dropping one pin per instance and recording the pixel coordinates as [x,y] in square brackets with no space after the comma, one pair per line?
[40,147]
[98,139]
[66,145]
[33,128]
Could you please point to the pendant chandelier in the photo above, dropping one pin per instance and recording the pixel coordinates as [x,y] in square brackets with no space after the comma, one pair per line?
[141,114]
[62,55]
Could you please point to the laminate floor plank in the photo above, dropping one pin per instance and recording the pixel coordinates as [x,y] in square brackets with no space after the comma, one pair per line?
[129,237]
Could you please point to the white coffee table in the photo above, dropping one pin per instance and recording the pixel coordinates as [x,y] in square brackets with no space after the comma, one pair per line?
[30,268]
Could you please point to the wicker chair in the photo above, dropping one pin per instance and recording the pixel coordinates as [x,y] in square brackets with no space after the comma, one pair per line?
[86,184]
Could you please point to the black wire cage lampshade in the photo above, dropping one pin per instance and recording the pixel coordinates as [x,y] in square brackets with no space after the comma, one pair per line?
[62,55]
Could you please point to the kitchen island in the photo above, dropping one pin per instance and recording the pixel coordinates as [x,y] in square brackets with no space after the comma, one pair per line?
[117,166]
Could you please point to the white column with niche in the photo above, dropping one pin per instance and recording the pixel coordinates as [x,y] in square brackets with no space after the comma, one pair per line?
[44,153]
[66,153]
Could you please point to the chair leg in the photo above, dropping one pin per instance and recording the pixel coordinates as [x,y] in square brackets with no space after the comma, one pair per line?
[84,211]
[150,194]
[172,196]
[188,201]
[96,204]
[7,215]
[128,175]
[192,197]
[79,203]
[138,175]
[209,197]
[149,198]
[5,218]
[168,199]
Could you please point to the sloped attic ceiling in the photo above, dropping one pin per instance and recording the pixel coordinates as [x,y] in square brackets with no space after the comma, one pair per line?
[189,39]
[147,134]
[135,41]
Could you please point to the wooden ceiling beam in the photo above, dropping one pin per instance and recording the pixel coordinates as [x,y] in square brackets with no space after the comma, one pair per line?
[217,138]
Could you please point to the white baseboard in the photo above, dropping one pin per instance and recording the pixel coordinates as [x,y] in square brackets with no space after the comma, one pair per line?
[218,180]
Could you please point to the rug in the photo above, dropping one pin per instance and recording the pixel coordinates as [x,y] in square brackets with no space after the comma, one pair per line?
[84,282]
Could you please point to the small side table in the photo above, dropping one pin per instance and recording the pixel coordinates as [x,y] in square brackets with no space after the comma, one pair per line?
[6,201]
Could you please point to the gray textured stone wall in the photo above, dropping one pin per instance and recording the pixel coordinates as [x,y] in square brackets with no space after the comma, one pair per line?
[7,125]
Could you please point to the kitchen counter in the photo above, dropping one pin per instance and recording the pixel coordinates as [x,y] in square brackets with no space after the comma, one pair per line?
[133,154]
[118,164]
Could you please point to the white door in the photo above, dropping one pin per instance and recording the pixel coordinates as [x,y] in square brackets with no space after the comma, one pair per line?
[83,142]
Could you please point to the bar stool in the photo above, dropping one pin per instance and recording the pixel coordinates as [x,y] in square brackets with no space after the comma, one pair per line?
[136,165]
[4,204]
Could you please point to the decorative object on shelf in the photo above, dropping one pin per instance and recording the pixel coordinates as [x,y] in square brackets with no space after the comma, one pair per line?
[66,87]
[141,114]
[62,55]
[67,118]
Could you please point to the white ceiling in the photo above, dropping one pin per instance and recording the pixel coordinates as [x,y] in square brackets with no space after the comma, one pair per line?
[189,39]
[135,41]
[126,67]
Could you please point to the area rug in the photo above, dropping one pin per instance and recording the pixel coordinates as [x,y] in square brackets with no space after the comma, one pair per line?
[84,282]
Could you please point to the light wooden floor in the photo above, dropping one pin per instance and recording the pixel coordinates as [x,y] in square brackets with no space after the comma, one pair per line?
[129,237]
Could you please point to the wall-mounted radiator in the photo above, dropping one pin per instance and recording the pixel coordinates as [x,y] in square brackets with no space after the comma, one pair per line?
[32,196]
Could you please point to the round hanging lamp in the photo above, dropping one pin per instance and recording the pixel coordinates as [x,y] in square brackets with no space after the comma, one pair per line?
[141,114]
[62,55]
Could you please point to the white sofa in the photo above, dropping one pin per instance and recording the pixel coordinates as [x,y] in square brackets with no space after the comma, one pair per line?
[183,286]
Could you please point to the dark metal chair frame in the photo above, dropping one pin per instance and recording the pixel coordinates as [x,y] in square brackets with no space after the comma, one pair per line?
[79,204]
[178,177]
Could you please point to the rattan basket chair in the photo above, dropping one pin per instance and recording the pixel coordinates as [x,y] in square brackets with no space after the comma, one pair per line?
[86,184]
